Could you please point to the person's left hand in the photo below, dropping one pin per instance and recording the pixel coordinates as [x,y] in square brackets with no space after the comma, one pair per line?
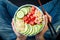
[40,35]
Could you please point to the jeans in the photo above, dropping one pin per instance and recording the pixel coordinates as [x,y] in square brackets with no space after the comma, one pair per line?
[7,10]
[6,31]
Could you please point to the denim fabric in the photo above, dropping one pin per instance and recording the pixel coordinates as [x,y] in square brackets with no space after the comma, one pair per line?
[6,32]
[7,10]
[53,8]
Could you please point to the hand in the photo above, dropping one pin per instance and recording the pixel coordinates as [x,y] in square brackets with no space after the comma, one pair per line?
[19,36]
[39,36]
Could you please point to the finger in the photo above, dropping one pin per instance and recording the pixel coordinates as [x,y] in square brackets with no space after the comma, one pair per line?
[12,23]
[49,17]
[46,26]
[46,20]
[46,23]
[13,27]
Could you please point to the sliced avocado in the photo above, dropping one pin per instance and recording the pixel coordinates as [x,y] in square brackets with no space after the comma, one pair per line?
[20,14]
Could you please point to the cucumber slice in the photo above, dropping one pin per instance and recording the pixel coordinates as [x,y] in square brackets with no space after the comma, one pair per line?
[27,30]
[35,30]
[20,14]
[18,18]
[39,28]
[32,33]
[30,30]
[26,10]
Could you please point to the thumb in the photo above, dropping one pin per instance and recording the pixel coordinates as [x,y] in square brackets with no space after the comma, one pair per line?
[46,20]
[49,17]
[13,27]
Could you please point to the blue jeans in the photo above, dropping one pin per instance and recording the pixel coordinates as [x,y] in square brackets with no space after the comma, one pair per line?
[7,10]
[6,32]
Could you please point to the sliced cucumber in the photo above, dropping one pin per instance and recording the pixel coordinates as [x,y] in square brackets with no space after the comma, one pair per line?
[32,33]
[25,29]
[35,30]
[18,18]
[30,30]
[39,28]
[20,14]
[26,10]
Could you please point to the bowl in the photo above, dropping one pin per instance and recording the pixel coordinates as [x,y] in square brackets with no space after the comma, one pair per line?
[28,30]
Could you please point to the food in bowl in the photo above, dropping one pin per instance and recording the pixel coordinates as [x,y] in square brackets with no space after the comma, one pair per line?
[29,20]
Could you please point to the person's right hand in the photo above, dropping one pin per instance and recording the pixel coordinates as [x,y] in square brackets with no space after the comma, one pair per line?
[40,36]
[19,36]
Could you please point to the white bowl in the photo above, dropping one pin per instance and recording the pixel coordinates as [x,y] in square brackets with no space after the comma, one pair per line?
[35,7]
